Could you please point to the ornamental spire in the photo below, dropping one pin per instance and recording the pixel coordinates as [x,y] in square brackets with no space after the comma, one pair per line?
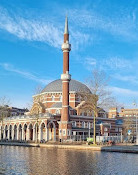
[66,31]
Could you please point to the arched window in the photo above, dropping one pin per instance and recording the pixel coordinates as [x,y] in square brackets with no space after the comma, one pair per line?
[89,125]
[105,129]
[74,124]
[60,98]
[53,97]
[85,98]
[57,111]
[79,98]
[83,124]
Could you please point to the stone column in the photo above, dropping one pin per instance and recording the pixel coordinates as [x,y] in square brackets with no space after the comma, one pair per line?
[8,135]
[54,133]
[22,133]
[27,134]
[34,131]
[83,136]
[0,132]
[4,133]
[39,133]
[46,135]
[13,133]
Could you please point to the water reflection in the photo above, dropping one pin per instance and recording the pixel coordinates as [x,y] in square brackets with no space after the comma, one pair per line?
[43,161]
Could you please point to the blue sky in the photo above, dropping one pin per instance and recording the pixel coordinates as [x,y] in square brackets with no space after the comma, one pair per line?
[103,34]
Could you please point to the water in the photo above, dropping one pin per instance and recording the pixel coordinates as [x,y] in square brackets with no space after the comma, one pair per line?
[46,161]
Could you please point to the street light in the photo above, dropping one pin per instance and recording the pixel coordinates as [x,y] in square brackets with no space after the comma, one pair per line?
[136,127]
[136,131]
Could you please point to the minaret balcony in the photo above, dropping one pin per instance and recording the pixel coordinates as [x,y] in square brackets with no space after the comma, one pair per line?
[66,46]
[65,77]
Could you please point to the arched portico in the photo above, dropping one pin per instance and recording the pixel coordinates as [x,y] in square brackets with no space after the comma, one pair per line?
[51,131]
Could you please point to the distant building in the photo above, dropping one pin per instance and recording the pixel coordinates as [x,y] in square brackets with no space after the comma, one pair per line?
[13,111]
[128,112]
[127,118]
[114,113]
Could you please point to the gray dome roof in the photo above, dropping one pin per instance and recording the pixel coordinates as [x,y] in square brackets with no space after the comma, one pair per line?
[56,86]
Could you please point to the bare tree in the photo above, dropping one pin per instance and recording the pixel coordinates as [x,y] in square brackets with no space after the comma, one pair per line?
[100,97]
[4,110]
[128,125]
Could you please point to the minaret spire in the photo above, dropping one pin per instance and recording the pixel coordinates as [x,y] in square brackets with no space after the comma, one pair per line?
[66,31]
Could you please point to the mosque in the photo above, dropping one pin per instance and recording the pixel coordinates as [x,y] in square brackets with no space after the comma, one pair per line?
[58,111]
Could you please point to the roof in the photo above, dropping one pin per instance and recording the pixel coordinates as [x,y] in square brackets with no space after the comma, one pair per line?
[75,86]
[59,105]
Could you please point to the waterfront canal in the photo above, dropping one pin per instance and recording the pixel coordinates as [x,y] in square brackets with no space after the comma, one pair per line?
[45,161]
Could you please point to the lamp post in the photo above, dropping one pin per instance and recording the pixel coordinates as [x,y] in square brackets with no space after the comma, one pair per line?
[136,127]
[136,131]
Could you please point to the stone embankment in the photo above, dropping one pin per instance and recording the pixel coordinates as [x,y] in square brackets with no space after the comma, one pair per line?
[115,148]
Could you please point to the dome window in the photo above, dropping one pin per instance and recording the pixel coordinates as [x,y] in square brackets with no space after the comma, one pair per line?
[60,98]
[53,98]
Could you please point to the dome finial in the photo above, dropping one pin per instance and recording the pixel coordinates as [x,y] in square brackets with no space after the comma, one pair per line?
[66,31]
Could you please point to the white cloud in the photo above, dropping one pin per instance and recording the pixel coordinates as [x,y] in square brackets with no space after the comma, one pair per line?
[123,26]
[28,75]
[123,92]
[90,61]
[126,78]
[112,63]
[32,30]
[46,31]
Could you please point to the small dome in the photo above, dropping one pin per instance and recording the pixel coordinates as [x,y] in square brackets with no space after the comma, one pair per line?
[75,86]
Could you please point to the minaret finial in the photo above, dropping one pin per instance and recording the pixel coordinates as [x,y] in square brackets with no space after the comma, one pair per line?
[66,31]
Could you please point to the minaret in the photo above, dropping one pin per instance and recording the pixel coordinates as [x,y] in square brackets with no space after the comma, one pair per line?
[65,124]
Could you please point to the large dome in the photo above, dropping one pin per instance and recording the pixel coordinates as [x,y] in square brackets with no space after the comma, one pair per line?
[75,86]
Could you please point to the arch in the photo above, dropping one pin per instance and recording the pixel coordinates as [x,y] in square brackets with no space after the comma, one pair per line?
[15,132]
[20,132]
[37,108]
[35,132]
[51,131]
[43,132]
[30,131]
[6,132]
[25,131]
[10,132]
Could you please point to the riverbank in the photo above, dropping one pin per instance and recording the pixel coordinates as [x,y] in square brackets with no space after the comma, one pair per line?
[115,148]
